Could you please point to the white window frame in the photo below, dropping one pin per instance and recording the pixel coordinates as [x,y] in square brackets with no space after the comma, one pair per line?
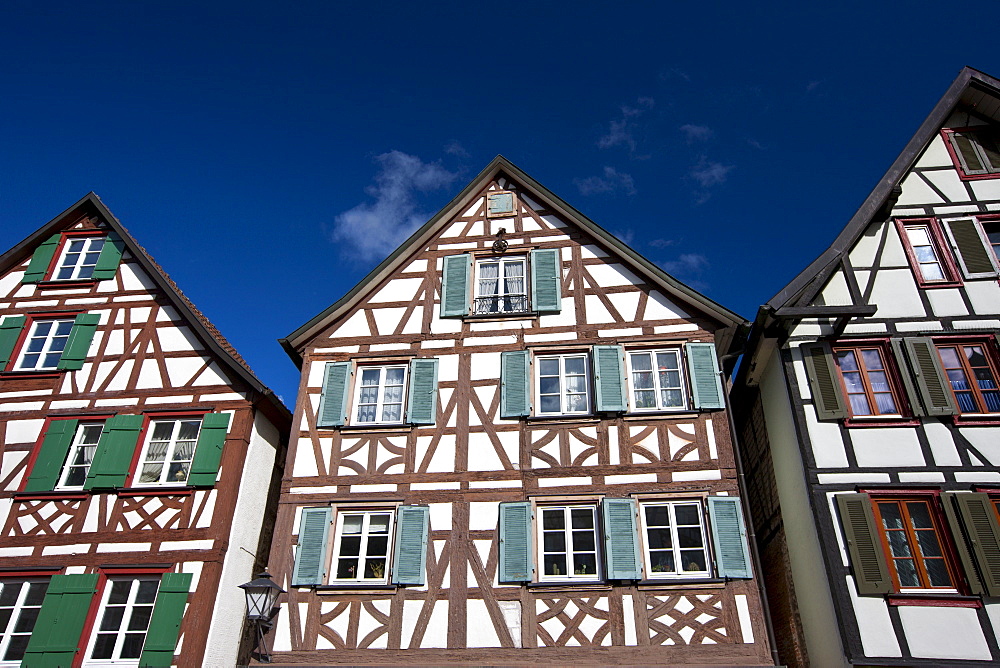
[82,430]
[562,383]
[633,402]
[80,266]
[8,633]
[566,510]
[168,457]
[501,295]
[380,395]
[48,340]
[130,605]
[366,514]
[675,549]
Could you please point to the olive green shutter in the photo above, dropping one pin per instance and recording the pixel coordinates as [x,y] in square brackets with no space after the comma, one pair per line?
[41,259]
[963,542]
[55,640]
[912,396]
[621,539]
[706,383]
[78,343]
[52,455]
[455,285]
[114,453]
[828,396]
[932,383]
[515,559]
[409,557]
[10,332]
[310,555]
[609,379]
[546,280]
[422,403]
[165,624]
[974,257]
[981,525]
[333,401]
[515,397]
[110,257]
[732,553]
[868,561]
[208,454]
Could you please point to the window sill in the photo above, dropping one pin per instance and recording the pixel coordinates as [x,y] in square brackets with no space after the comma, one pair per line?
[881,421]
[583,417]
[976,419]
[975,177]
[672,413]
[569,585]
[186,490]
[686,583]
[22,375]
[375,428]
[326,590]
[925,285]
[930,599]
[57,495]
[502,317]
[83,283]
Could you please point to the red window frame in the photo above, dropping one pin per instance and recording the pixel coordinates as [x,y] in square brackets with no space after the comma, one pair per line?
[946,134]
[15,355]
[152,490]
[993,363]
[952,277]
[903,414]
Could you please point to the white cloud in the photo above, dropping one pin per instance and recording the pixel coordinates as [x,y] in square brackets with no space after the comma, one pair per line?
[620,131]
[709,173]
[372,230]
[695,133]
[686,265]
[611,180]
[454,148]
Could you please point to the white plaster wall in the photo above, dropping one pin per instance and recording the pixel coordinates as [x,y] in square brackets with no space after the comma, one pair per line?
[887,447]
[944,633]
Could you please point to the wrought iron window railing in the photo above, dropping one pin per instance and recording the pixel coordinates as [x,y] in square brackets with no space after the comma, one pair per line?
[500,304]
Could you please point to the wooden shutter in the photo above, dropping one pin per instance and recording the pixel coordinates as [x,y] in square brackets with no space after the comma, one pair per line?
[110,257]
[409,557]
[78,343]
[864,545]
[515,563]
[515,396]
[828,395]
[963,542]
[974,254]
[706,383]
[310,555]
[10,332]
[932,383]
[422,402]
[208,453]
[114,452]
[165,624]
[621,539]
[912,396]
[55,640]
[966,150]
[609,379]
[52,455]
[455,285]
[38,268]
[732,553]
[333,402]
[981,525]
[546,280]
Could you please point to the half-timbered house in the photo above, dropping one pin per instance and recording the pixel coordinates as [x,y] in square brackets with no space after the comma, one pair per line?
[138,449]
[869,412]
[511,444]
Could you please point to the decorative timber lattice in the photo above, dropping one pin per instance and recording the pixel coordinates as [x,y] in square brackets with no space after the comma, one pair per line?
[576,621]
[686,620]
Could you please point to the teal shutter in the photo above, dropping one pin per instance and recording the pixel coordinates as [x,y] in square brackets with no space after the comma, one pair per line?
[546,280]
[609,379]
[110,257]
[516,564]
[824,381]
[621,539]
[933,384]
[422,403]
[868,560]
[410,554]
[333,402]
[730,535]
[455,285]
[10,332]
[113,456]
[55,640]
[515,397]
[211,439]
[310,556]
[78,343]
[38,268]
[706,383]
[51,456]
[165,624]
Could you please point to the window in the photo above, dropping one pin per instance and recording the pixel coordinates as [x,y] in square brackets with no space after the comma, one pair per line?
[674,534]
[562,384]
[568,543]
[924,242]
[500,286]
[46,342]
[912,542]
[971,377]
[78,259]
[866,381]
[75,256]
[20,601]
[657,383]
[168,451]
[500,204]
[123,619]
[361,547]
[361,394]
[81,454]
[44,345]
[974,150]
[379,394]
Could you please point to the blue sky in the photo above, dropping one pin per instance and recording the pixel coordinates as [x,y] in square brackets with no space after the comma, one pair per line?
[268,155]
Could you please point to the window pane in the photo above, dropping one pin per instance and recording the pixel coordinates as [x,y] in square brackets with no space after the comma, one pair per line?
[937,572]
[132,647]
[26,620]
[119,592]
[658,538]
[919,515]
[657,516]
[583,541]
[104,646]
[585,564]
[379,524]
[112,619]
[10,593]
[907,573]
[140,618]
[662,562]
[548,366]
[36,593]
[693,560]
[553,519]
[147,591]
[689,537]
[555,564]
[688,514]
[554,541]
[576,365]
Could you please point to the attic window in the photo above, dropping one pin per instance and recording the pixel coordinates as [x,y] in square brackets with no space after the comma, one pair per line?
[500,204]
[975,151]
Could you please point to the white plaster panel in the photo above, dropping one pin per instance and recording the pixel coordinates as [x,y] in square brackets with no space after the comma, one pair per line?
[134,278]
[949,184]
[961,208]
[554,221]
[878,638]
[565,318]
[23,431]
[935,155]
[848,478]
[977,476]
[149,376]
[629,479]
[942,444]
[924,326]
[610,275]
[485,366]
[685,476]
[337,349]
[183,399]
[187,544]
[36,304]
[124,547]
[481,632]
[887,447]
[836,292]
[864,250]
[444,325]
[213,375]
[828,445]
[8,462]
[920,476]
[947,302]
[436,635]
[944,633]
[993,611]
[176,339]
[563,482]
[23,406]
[417,266]
[915,191]
[896,294]
[367,624]
[180,369]
[316,373]
[305,460]
[590,251]
[462,246]
[397,290]
[356,325]
[79,548]
[482,455]
[16,551]
[596,311]
[443,460]
[988,189]
[986,440]
[976,324]
[984,296]
[440,516]
[10,283]
[82,301]
[489,340]
[386,319]
[617,333]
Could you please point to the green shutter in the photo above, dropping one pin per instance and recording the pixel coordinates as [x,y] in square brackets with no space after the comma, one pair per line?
[974,257]
[409,556]
[55,640]
[78,343]
[912,396]
[932,383]
[963,542]
[983,530]
[422,403]
[706,383]
[333,402]
[621,539]
[310,556]
[52,455]
[110,257]
[868,562]
[165,624]
[515,397]
[516,564]
[38,268]
[455,285]
[609,379]
[546,280]
[824,381]
[114,453]
[10,332]
[211,439]
[732,553]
